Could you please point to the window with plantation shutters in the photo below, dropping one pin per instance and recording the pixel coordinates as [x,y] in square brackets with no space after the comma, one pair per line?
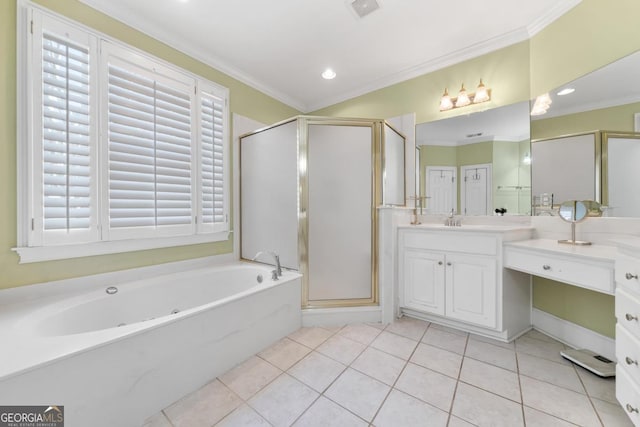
[212,160]
[150,181]
[119,151]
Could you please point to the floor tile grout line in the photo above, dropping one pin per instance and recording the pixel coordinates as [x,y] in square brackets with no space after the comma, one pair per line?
[393,386]
[524,418]
[586,390]
[455,389]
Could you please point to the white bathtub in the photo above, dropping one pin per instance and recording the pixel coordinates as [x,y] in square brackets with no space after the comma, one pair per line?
[68,349]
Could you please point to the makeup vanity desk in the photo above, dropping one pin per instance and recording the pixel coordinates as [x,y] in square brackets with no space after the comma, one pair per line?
[590,267]
[612,270]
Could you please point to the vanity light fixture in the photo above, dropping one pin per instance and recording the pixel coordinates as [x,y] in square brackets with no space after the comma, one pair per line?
[463,99]
[527,159]
[328,74]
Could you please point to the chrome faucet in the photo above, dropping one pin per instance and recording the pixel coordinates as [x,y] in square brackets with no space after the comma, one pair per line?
[451,220]
[278,271]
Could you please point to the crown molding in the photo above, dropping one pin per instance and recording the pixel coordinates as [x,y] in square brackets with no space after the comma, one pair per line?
[562,7]
[596,105]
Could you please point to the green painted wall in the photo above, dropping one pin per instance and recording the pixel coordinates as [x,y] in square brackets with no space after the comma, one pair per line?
[618,118]
[244,100]
[437,155]
[592,310]
[474,154]
[591,35]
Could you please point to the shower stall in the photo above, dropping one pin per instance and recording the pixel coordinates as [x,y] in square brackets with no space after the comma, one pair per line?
[310,188]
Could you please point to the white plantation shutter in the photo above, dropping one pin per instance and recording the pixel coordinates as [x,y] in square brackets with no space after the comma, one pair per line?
[213,194]
[150,183]
[64,176]
[65,145]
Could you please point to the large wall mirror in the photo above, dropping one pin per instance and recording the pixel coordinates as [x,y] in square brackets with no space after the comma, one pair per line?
[585,142]
[477,163]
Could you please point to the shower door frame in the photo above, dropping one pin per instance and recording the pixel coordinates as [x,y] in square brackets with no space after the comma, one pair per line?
[303,199]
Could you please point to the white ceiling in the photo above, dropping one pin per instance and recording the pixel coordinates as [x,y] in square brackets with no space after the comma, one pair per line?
[281,46]
[611,85]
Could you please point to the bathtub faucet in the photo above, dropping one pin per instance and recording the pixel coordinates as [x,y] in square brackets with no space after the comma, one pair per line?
[278,271]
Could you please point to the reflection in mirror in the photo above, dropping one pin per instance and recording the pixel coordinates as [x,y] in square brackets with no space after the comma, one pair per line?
[476,163]
[570,166]
[393,187]
[599,109]
[621,173]
[574,211]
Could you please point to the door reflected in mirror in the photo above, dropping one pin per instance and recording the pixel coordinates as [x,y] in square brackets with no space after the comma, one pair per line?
[476,164]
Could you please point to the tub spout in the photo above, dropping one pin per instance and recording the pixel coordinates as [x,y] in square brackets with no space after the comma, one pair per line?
[276,257]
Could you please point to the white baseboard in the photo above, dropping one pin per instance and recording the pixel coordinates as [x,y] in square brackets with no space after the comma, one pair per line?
[340,316]
[573,335]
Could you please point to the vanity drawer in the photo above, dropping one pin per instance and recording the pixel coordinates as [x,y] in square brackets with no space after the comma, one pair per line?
[576,272]
[628,312]
[451,241]
[628,394]
[627,272]
[628,352]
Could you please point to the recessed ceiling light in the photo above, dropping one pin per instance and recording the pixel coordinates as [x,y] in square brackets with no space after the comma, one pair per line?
[566,91]
[328,74]
[364,7]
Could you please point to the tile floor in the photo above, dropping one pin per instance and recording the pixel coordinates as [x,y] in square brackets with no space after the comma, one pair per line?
[409,373]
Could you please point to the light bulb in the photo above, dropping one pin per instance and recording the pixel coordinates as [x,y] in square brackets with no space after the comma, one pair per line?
[445,102]
[463,98]
[482,95]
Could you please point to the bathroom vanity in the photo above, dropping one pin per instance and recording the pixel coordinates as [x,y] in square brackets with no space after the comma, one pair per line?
[455,276]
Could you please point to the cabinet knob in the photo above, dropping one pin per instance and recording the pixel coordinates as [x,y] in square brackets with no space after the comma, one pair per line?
[439,262]
[630,361]
[449,264]
[546,267]
[630,317]
[631,409]
[630,276]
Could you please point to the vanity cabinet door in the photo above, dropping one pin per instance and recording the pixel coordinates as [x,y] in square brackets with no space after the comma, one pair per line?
[471,288]
[423,281]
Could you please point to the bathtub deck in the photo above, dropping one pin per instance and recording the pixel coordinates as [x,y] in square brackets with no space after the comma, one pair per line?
[404,374]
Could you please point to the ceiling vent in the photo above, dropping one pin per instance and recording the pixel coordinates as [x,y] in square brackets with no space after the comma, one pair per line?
[364,7]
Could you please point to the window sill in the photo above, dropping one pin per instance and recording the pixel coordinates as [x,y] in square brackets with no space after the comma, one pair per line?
[51,253]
